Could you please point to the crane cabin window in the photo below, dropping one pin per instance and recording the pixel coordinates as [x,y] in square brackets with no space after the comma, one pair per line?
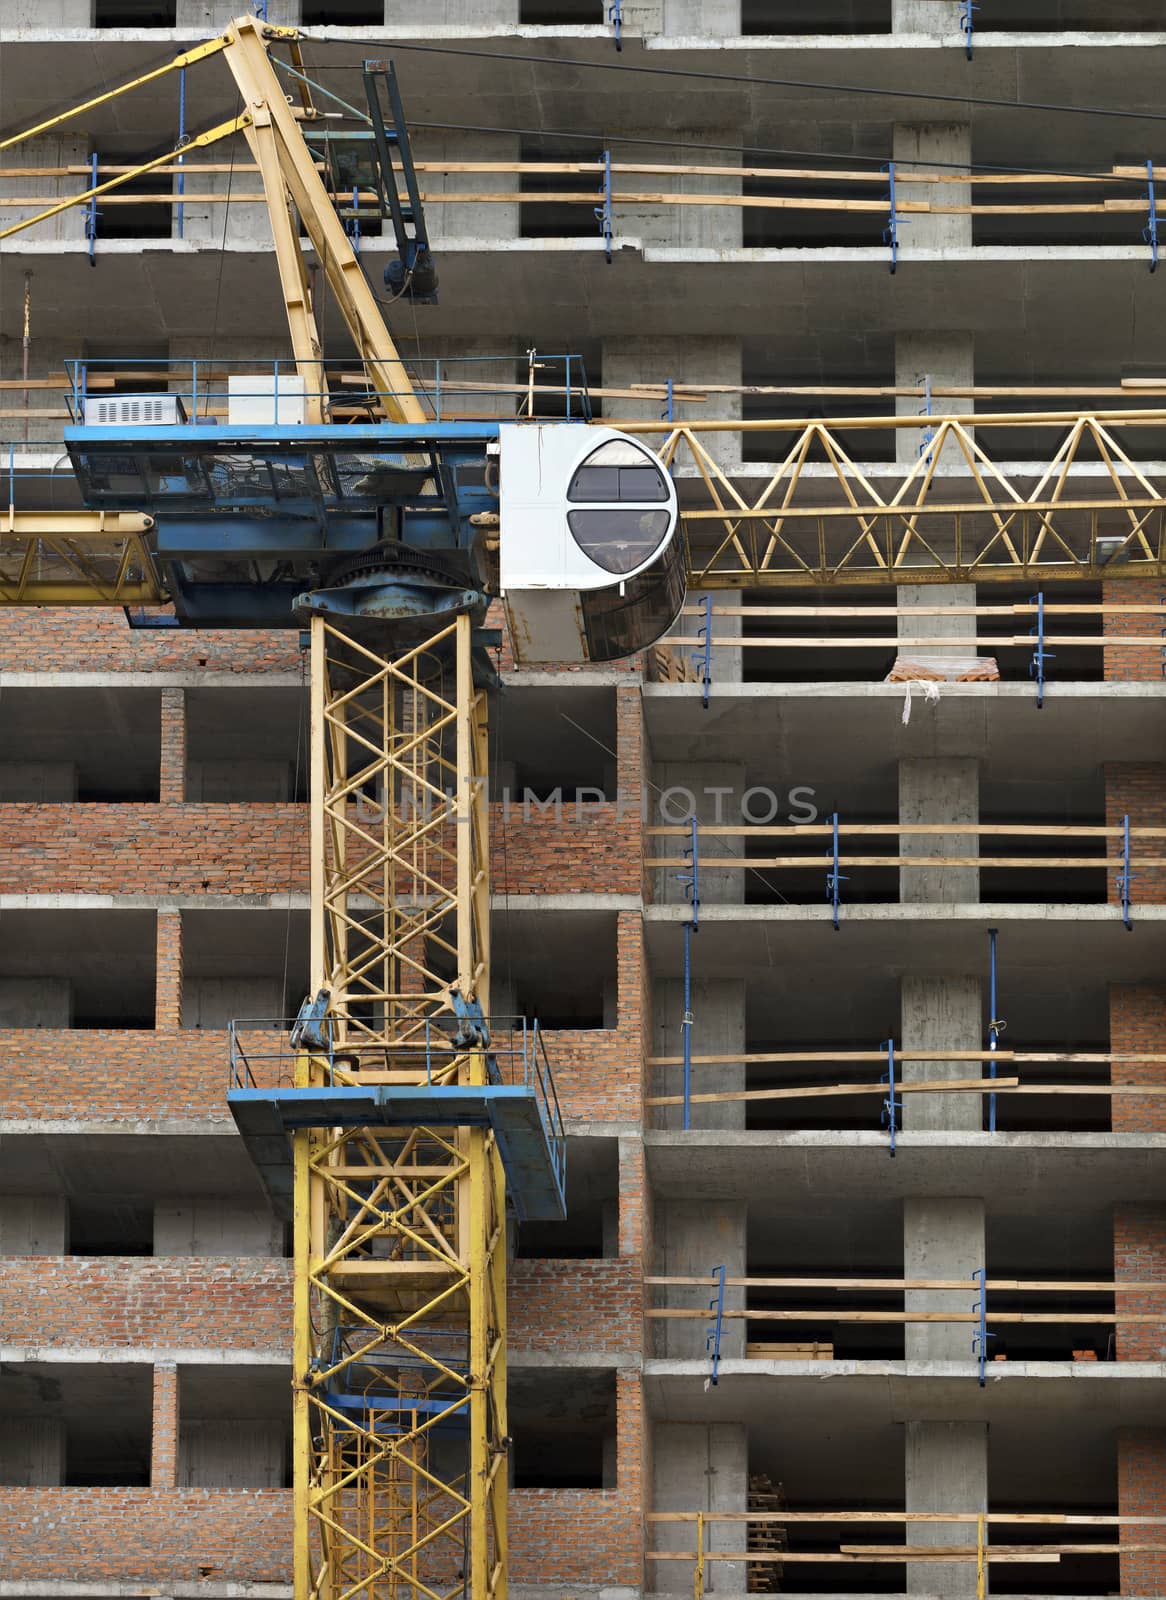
[622,487]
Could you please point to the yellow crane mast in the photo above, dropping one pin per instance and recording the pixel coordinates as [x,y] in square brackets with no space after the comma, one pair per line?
[414,1117]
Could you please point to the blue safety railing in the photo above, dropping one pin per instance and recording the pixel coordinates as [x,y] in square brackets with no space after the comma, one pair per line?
[1040,656]
[712,1341]
[703,654]
[835,878]
[892,1105]
[691,882]
[981,1336]
[205,391]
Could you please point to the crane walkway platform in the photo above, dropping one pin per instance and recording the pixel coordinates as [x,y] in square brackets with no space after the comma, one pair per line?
[530,1143]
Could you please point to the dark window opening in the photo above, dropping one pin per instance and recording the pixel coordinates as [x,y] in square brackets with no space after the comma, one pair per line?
[591,1227]
[555,218]
[554,741]
[233,1429]
[563,1428]
[558,969]
[352,14]
[560,13]
[815,16]
[141,220]
[135,13]
[110,1228]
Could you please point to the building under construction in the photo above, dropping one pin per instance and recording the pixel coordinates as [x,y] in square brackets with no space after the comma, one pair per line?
[840,907]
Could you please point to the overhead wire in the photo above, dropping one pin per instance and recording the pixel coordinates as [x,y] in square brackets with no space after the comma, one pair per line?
[704,75]
[605,139]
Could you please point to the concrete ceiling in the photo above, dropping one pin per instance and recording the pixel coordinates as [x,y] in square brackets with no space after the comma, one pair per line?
[560,291]
[1016,1172]
[128,1168]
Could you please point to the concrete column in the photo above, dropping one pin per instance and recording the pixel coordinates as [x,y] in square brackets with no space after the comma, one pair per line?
[230,221]
[714,789]
[718,1009]
[34,1225]
[692,1239]
[941,1014]
[168,973]
[47,357]
[463,219]
[934,147]
[698,18]
[172,776]
[164,1429]
[686,227]
[689,362]
[212,1227]
[32,1453]
[700,1468]
[470,361]
[53,150]
[427,14]
[939,791]
[942,1238]
[947,1470]
[926,16]
[19,16]
[211,15]
[948,360]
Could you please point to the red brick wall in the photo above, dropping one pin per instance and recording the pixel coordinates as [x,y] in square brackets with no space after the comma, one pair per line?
[147,1536]
[571,1306]
[114,1075]
[191,849]
[568,849]
[599,1071]
[1137,790]
[172,778]
[1133,663]
[168,972]
[1139,1256]
[1137,1024]
[258,848]
[1141,1487]
[57,639]
[164,1429]
[194,1302]
[587,1535]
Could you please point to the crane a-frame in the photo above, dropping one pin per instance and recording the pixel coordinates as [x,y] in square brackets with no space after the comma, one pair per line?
[412,1114]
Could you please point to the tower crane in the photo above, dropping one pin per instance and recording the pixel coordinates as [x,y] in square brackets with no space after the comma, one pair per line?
[408,1118]
[405,1119]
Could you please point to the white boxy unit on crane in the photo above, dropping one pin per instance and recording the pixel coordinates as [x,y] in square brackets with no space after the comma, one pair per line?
[592,567]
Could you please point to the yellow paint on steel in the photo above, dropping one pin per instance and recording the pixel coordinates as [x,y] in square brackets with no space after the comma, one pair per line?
[277,140]
[400,1291]
[188,58]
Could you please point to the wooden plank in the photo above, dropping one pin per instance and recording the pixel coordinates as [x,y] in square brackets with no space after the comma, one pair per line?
[792,863]
[901,1285]
[826,1091]
[1026,1318]
[1058,1519]
[1020,1058]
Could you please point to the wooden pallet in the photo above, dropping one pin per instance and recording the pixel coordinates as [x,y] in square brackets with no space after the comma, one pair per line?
[768,1538]
[670,666]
